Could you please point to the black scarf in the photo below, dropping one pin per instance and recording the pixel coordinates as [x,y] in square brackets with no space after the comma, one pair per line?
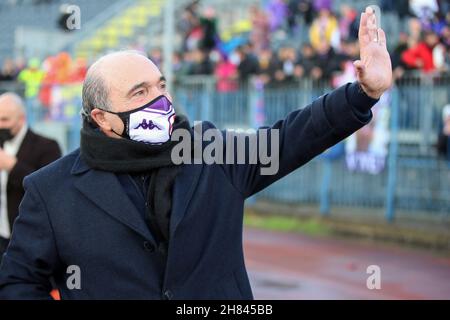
[127,156]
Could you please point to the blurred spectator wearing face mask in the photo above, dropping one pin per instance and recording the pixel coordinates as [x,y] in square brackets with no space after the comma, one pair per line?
[21,153]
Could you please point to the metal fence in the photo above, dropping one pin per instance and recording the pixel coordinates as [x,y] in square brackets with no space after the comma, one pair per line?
[414,180]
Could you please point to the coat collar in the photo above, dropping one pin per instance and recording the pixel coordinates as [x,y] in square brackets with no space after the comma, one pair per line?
[104,189]
[79,166]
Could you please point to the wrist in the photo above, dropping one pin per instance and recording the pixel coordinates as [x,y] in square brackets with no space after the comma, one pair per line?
[358,98]
[370,93]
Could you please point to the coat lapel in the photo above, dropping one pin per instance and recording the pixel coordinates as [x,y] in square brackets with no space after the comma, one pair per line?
[104,189]
[26,147]
[183,191]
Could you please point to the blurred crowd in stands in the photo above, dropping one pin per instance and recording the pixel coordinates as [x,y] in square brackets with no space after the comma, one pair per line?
[38,77]
[422,46]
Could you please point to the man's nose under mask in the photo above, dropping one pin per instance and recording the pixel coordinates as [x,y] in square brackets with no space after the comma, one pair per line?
[151,123]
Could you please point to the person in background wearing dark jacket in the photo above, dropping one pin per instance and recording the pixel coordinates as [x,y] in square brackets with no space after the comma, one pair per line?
[248,64]
[120,219]
[21,153]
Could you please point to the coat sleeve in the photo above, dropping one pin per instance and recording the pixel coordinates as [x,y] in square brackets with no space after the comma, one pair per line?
[48,152]
[304,134]
[31,257]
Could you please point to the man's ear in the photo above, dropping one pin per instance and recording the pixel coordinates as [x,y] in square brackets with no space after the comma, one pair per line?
[22,120]
[98,116]
[20,123]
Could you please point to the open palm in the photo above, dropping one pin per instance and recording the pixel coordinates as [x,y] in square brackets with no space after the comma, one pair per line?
[374,70]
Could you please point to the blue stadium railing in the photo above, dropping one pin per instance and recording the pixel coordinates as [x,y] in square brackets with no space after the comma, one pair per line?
[414,182]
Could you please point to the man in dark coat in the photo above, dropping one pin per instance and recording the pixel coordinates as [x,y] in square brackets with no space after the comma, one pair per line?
[121,219]
[21,153]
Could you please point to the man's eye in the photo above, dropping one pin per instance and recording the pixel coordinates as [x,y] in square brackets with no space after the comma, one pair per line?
[139,93]
[163,86]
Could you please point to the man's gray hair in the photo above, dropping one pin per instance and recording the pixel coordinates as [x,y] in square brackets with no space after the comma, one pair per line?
[95,94]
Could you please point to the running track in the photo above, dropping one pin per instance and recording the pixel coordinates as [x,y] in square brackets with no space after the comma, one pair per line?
[294,266]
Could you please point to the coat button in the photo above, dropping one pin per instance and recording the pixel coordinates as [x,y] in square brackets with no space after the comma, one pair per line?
[149,247]
[168,295]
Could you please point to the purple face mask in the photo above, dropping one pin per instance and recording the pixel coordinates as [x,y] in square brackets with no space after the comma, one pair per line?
[151,123]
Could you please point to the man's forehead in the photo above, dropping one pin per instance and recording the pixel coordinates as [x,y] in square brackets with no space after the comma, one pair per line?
[8,102]
[123,70]
[7,108]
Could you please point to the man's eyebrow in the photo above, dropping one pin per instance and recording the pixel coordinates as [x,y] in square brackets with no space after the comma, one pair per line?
[137,86]
[143,84]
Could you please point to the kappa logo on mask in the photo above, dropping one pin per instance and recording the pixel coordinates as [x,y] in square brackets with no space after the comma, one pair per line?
[147,125]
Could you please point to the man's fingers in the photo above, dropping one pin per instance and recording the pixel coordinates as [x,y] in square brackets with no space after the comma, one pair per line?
[371,25]
[382,37]
[362,26]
